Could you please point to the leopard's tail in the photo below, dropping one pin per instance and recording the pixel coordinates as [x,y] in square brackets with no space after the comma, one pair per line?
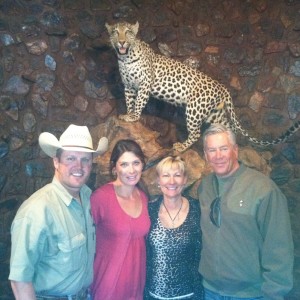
[236,126]
[281,139]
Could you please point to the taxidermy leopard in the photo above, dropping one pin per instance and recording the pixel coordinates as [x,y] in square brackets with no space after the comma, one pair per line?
[145,73]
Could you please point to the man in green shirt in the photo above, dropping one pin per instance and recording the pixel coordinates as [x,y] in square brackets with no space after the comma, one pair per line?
[247,242]
[53,238]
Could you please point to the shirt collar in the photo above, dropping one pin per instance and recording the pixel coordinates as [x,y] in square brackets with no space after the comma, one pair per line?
[66,197]
[234,175]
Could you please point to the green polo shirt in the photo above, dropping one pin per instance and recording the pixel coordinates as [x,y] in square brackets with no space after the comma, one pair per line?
[53,241]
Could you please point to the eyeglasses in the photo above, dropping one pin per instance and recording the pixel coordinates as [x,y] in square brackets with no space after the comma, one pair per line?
[215,212]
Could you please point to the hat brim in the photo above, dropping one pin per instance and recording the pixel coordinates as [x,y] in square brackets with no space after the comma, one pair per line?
[102,146]
[49,144]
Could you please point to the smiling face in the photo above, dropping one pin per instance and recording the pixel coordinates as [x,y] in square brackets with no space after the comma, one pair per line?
[171,181]
[128,169]
[221,154]
[73,169]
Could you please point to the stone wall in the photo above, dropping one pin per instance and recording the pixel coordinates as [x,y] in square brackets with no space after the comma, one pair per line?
[56,68]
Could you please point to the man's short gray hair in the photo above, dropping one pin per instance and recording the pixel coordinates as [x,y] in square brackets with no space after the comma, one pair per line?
[219,128]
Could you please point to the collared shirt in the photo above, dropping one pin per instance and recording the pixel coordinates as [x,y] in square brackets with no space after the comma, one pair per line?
[53,241]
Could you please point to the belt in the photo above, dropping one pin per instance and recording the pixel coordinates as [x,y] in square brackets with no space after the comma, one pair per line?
[81,295]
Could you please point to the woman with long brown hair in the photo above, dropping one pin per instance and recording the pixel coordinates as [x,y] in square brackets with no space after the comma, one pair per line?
[120,213]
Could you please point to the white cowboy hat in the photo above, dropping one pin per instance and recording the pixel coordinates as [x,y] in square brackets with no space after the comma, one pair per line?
[74,138]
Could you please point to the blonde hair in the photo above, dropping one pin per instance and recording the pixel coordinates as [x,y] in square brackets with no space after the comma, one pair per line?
[171,162]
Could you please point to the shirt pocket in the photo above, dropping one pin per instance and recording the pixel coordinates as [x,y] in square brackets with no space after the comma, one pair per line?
[72,252]
[241,204]
[69,245]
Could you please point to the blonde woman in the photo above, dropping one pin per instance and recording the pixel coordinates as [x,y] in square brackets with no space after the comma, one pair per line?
[174,240]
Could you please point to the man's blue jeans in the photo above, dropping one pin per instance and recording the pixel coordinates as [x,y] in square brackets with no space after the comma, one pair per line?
[209,295]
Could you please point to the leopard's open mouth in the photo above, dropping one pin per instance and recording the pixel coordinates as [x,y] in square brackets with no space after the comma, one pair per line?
[123,50]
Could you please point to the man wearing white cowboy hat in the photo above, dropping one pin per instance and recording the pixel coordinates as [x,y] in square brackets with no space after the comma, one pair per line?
[53,238]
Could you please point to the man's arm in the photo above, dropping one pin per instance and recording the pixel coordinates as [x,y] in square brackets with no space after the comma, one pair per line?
[23,290]
[277,252]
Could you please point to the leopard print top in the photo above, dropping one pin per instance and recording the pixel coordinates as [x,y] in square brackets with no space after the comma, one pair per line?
[173,255]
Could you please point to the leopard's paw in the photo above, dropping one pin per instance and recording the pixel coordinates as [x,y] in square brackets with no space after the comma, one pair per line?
[179,147]
[128,117]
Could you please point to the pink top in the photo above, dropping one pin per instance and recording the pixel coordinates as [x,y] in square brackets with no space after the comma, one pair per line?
[120,261]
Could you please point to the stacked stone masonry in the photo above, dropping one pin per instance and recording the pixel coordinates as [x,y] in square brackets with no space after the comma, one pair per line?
[57,68]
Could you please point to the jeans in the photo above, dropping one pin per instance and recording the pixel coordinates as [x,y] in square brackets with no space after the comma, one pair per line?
[210,295]
[81,295]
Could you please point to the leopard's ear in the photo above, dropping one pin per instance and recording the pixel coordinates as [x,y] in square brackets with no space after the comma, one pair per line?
[109,28]
[135,27]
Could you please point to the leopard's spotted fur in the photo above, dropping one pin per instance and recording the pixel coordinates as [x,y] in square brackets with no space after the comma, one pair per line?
[146,73]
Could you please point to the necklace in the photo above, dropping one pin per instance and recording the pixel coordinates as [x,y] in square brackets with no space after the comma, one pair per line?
[173,219]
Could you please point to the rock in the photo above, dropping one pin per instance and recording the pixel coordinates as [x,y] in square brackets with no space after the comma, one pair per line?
[189,48]
[59,98]
[16,85]
[273,119]
[249,70]
[29,122]
[165,49]
[256,101]
[254,160]
[295,69]
[2,181]
[104,108]
[15,143]
[37,47]
[44,82]
[235,83]
[282,174]
[289,83]
[115,129]
[292,153]
[4,149]
[294,105]
[202,29]
[234,55]
[294,49]
[6,39]
[80,103]
[50,62]
[95,89]
[40,105]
